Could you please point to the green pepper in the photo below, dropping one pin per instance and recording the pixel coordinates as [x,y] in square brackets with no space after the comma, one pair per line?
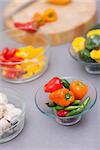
[93,42]
[76,102]
[85,55]
[51,104]
[65,83]
[59,107]
[80,109]
[71,107]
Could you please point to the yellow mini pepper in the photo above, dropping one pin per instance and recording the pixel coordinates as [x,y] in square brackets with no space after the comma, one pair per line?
[32,68]
[93,32]
[95,54]
[35,60]
[29,52]
[78,44]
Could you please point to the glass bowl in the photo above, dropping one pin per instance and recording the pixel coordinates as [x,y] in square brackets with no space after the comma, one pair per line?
[92,68]
[41,98]
[27,70]
[18,124]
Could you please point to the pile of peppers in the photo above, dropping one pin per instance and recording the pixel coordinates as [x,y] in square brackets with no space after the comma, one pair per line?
[88,48]
[38,20]
[66,99]
[21,63]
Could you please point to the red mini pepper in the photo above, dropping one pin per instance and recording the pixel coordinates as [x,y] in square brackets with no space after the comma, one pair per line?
[10,74]
[8,59]
[62,113]
[2,59]
[4,52]
[16,59]
[28,26]
[8,53]
[53,85]
[11,53]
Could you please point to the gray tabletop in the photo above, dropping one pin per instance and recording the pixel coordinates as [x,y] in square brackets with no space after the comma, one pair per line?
[43,133]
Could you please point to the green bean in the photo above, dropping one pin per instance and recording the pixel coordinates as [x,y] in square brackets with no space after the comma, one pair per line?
[59,107]
[81,107]
[51,104]
[71,107]
[76,102]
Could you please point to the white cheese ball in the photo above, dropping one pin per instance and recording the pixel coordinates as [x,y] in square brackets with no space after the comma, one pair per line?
[3,99]
[1,132]
[12,115]
[2,110]
[4,125]
[10,107]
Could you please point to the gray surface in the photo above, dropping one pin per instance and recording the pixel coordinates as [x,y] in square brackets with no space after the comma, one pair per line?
[43,133]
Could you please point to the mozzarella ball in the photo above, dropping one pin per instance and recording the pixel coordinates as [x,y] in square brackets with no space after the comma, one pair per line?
[10,107]
[4,125]
[2,110]
[1,133]
[3,99]
[13,114]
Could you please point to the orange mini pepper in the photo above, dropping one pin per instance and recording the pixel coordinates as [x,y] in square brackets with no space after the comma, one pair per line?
[79,89]
[62,97]
[39,19]
[59,2]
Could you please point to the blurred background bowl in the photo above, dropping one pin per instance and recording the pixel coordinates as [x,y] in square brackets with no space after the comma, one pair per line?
[17,72]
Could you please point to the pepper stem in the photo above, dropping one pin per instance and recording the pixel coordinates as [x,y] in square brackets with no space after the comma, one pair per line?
[67,96]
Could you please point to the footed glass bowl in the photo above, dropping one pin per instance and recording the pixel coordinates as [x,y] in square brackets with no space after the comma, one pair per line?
[92,68]
[28,69]
[16,126]
[41,98]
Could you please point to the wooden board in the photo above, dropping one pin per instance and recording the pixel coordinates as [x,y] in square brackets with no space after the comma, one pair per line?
[73,19]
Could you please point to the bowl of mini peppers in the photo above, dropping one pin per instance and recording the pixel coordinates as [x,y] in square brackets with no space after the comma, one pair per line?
[86,50]
[66,99]
[22,63]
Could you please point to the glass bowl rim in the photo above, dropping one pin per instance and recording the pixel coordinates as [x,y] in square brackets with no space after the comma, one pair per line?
[81,62]
[82,113]
[16,94]
[28,60]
